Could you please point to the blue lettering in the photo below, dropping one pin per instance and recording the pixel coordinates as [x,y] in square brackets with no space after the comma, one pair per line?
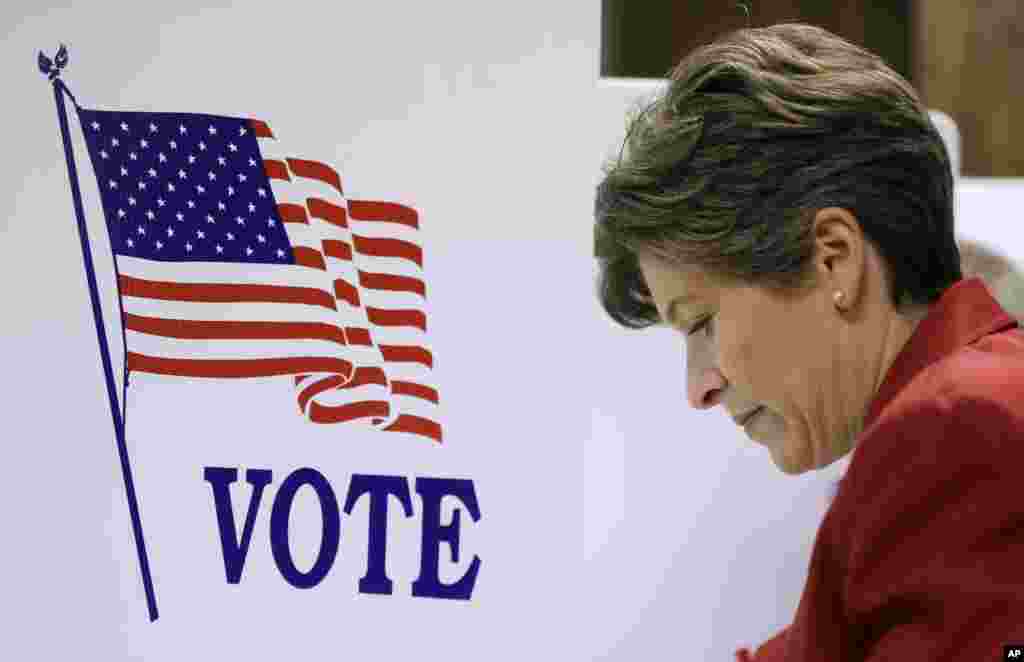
[279,528]
[234,550]
[428,584]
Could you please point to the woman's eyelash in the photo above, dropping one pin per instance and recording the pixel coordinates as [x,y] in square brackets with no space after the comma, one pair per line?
[699,325]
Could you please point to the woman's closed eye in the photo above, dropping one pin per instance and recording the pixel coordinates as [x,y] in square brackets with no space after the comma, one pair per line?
[702,323]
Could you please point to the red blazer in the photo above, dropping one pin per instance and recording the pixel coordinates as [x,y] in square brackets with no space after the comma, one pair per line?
[921,553]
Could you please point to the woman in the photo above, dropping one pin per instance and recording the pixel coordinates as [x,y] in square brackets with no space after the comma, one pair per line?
[786,205]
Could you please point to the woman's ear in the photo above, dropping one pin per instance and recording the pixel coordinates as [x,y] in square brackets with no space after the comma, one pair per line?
[840,252]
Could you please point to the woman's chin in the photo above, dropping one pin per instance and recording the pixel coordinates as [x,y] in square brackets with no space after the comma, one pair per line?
[786,464]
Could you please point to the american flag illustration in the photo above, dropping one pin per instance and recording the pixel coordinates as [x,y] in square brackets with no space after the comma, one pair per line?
[235,260]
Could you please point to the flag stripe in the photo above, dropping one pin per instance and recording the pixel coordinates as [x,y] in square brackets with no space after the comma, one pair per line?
[327,211]
[222,349]
[318,171]
[384,212]
[221,273]
[220,293]
[337,249]
[342,413]
[236,368]
[357,336]
[381,317]
[415,390]
[346,292]
[276,169]
[375,281]
[292,213]
[246,312]
[363,376]
[416,425]
[377,247]
[309,257]
[233,330]
[407,354]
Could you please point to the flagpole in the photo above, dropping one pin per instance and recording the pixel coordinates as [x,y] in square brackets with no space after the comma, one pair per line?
[52,69]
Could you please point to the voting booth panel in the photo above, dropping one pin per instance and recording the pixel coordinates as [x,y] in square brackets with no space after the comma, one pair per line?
[561,501]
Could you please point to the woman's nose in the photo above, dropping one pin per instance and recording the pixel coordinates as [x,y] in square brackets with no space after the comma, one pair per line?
[705,390]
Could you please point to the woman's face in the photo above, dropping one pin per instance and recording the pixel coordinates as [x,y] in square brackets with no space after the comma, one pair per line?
[812,370]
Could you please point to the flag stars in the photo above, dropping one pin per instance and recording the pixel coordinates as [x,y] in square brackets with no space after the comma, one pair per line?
[179,216]
[252,208]
[280,253]
[152,172]
[142,231]
[170,232]
[220,249]
[188,246]
[115,142]
[270,222]
[121,213]
[262,192]
[209,218]
[131,201]
[152,127]
[191,159]
[159,244]
[200,188]
[124,127]
[104,154]
[232,147]
[162,157]
[133,156]
[170,187]
[161,202]
[221,206]
[241,177]
[260,238]
[95,125]
[113,184]
[173,144]
[182,130]
[202,146]
[241,130]
[143,143]
[230,236]
[213,130]
[248,250]
[150,215]
[252,162]
[142,186]
[231,190]
[130,243]
[212,176]
[221,160]
[240,220]
[124,171]
[191,204]
[200,234]
[181,174]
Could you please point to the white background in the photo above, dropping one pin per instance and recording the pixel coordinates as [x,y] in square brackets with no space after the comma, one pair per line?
[617,523]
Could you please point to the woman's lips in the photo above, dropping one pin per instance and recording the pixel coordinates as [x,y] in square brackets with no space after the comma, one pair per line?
[752,417]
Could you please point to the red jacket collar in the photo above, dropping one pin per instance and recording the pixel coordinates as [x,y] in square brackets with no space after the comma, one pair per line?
[965,312]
